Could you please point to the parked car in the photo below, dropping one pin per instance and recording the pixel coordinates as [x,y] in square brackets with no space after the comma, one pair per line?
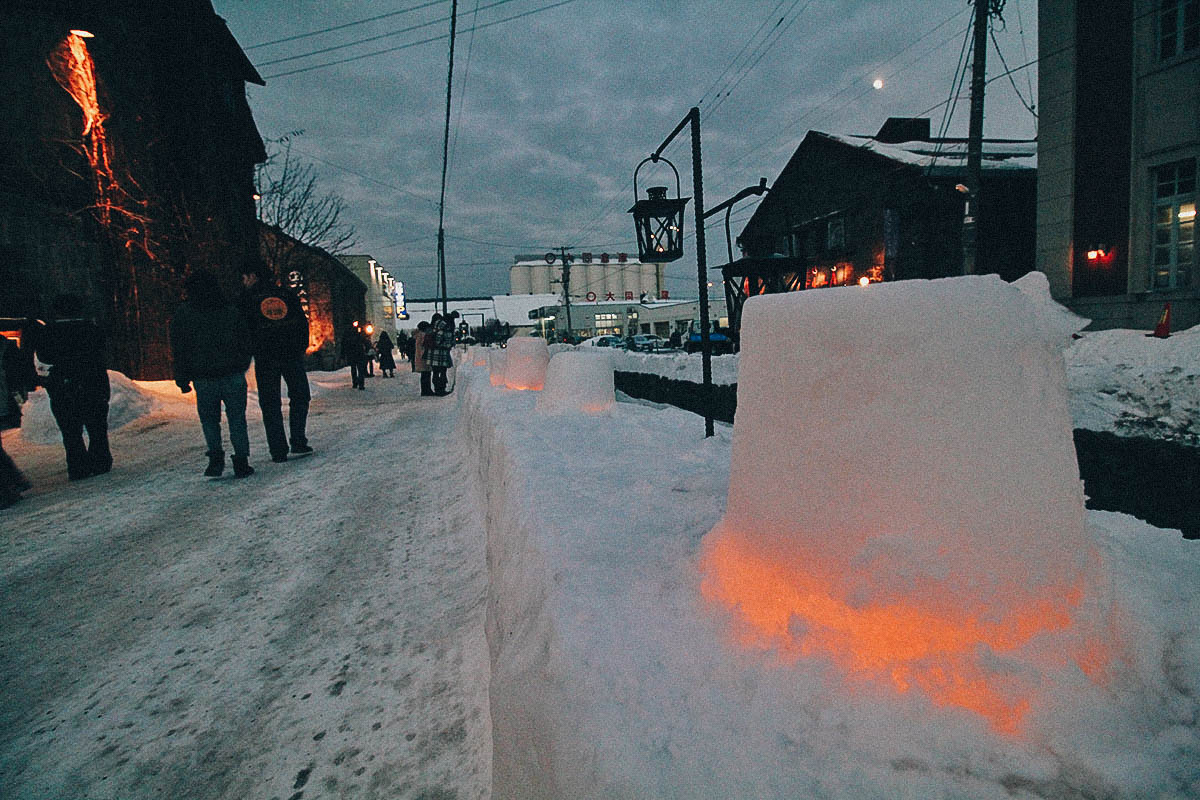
[604,341]
[648,343]
[718,337]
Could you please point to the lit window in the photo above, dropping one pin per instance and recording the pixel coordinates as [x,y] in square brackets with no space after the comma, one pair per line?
[1174,253]
[1178,27]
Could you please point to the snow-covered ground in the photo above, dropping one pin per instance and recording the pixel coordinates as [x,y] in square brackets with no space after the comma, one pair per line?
[318,630]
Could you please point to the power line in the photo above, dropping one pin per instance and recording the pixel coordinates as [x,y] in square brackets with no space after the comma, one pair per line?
[414,44]
[1003,63]
[778,32]
[345,25]
[375,38]
[355,172]
[737,57]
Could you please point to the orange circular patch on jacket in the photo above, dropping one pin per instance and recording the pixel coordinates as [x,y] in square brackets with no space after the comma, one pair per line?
[273,308]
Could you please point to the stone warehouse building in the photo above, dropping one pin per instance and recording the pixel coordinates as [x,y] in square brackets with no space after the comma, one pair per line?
[128,158]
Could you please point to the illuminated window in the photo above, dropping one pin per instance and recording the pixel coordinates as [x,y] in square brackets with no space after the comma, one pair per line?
[1178,27]
[1174,224]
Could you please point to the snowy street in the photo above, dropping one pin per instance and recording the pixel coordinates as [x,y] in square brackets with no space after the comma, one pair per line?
[316,626]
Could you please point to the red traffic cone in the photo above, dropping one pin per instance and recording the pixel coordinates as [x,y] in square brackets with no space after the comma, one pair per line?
[1163,329]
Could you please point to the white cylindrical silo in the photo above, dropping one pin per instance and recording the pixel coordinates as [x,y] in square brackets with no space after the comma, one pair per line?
[518,279]
[649,286]
[539,279]
[595,280]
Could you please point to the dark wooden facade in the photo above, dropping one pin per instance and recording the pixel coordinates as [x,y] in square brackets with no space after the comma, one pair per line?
[844,209]
[128,159]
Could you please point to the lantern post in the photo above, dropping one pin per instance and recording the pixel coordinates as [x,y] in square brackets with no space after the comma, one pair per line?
[647,251]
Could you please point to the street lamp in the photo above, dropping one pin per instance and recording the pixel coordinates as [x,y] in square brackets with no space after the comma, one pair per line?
[658,220]
[693,120]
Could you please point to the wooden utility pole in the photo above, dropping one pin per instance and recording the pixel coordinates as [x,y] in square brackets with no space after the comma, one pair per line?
[441,241]
[566,282]
[983,10]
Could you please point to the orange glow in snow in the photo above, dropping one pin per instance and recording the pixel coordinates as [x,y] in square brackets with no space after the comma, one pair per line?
[906,644]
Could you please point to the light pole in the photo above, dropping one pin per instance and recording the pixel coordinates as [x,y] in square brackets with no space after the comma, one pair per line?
[654,222]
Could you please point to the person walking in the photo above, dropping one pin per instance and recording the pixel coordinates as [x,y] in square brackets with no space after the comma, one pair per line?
[387,362]
[73,347]
[16,380]
[367,330]
[420,345]
[354,353]
[438,356]
[211,349]
[279,339]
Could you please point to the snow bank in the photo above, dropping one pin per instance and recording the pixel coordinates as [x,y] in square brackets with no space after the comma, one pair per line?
[525,362]
[612,678]
[1126,382]
[129,401]
[578,381]
[918,444]
[497,359]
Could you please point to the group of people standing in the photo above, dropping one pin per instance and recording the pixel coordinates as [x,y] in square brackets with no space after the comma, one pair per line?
[77,384]
[212,343]
[428,351]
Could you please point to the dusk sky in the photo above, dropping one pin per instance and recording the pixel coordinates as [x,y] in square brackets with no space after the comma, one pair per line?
[555,103]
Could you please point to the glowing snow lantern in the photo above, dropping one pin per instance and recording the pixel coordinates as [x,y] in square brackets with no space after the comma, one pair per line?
[525,362]
[578,381]
[965,572]
[480,356]
[497,359]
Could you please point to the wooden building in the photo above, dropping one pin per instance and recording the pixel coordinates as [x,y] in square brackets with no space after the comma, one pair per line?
[128,159]
[886,207]
[334,298]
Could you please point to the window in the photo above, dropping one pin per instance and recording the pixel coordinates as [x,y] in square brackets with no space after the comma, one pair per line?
[1174,224]
[1178,27]
[835,235]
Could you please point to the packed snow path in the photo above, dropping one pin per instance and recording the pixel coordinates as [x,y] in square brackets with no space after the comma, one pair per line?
[315,630]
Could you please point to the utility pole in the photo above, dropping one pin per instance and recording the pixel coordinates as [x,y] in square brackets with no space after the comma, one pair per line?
[441,242]
[983,11]
[566,282]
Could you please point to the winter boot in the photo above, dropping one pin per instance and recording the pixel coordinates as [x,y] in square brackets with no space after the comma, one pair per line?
[241,467]
[301,450]
[216,465]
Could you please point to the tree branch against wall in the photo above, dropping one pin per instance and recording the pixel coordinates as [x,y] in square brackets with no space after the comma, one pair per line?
[290,200]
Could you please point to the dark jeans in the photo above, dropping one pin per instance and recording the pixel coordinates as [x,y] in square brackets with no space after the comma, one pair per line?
[439,380]
[210,394]
[268,372]
[358,371]
[75,414]
[426,388]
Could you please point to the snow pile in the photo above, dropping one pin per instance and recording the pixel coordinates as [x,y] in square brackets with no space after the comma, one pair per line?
[525,362]
[938,455]
[477,356]
[1125,382]
[129,401]
[678,365]
[578,381]
[497,360]
[613,678]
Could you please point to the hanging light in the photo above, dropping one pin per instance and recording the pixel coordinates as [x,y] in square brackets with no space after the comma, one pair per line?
[658,220]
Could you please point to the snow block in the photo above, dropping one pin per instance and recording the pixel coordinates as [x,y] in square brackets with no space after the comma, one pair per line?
[497,359]
[904,498]
[578,381]
[525,362]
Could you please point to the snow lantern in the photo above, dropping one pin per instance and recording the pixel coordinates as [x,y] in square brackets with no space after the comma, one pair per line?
[577,380]
[904,498]
[525,363]
[497,358]
[479,356]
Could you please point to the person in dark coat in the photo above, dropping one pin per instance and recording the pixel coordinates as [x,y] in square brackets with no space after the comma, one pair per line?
[73,347]
[387,362]
[438,355]
[354,353]
[279,336]
[16,379]
[210,346]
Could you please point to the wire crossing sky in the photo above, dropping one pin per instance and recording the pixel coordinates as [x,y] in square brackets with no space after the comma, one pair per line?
[560,99]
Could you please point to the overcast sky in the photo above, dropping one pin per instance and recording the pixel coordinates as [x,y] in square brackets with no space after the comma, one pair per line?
[554,108]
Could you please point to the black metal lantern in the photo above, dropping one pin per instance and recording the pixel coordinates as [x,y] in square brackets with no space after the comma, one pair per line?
[658,220]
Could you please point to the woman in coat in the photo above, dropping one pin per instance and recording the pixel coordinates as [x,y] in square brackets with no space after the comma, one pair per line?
[354,353]
[387,362]
[422,340]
